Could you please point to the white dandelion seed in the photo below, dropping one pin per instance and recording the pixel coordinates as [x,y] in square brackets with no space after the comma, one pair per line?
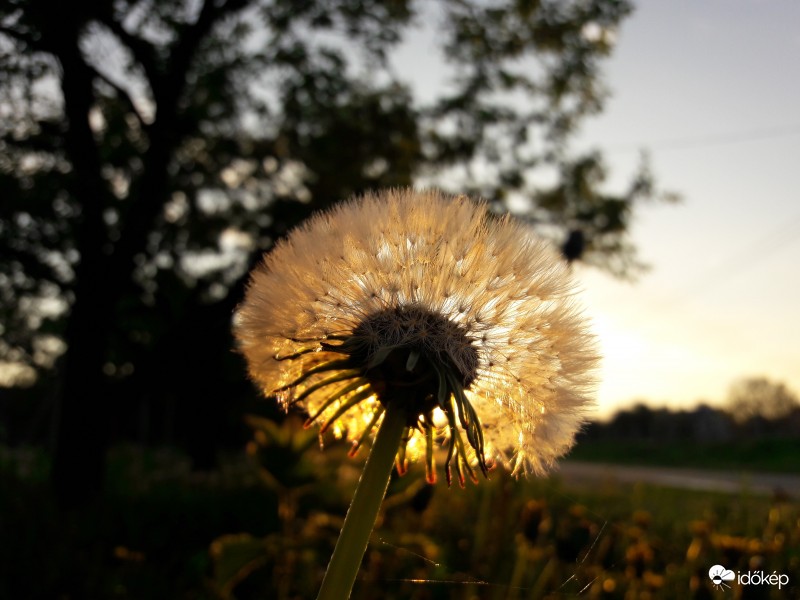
[428,300]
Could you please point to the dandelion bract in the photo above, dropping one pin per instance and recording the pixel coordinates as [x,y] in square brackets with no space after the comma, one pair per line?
[421,298]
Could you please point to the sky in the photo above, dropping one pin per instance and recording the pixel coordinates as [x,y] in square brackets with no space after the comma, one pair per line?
[711,89]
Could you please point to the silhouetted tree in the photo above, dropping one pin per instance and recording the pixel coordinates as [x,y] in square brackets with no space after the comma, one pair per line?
[635,423]
[150,150]
[758,397]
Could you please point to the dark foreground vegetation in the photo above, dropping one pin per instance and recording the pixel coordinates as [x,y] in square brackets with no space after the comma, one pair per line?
[248,531]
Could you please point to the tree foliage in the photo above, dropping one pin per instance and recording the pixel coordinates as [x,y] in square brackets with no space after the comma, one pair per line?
[758,397]
[150,150]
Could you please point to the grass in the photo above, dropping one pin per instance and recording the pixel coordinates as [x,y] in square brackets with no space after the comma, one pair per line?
[162,531]
[778,455]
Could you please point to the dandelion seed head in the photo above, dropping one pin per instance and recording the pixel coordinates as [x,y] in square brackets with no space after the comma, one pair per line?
[427,299]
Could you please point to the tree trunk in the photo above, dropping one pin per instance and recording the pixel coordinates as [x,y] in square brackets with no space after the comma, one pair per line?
[103,275]
[81,437]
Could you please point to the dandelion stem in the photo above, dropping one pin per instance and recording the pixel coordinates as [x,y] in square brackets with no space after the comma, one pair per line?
[363,511]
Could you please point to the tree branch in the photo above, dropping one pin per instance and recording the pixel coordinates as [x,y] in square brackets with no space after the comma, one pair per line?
[21,37]
[189,40]
[32,264]
[123,95]
[164,136]
[141,50]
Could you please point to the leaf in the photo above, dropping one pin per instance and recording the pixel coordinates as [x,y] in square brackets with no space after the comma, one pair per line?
[235,557]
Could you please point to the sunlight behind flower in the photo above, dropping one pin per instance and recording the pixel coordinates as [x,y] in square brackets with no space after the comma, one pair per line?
[429,301]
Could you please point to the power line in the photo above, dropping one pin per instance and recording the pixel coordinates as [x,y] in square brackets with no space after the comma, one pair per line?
[760,249]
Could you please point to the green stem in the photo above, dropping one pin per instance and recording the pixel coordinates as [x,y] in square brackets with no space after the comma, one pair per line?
[363,511]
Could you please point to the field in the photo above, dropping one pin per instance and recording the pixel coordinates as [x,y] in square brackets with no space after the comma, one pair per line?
[246,532]
[778,455]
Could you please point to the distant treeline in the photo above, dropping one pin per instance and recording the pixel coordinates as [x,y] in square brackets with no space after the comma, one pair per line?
[702,424]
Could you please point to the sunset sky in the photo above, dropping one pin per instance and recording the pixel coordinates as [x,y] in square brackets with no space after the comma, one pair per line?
[711,88]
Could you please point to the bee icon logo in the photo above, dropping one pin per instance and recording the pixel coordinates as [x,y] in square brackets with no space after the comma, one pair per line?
[719,575]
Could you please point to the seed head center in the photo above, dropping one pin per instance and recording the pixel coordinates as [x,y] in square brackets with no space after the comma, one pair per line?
[404,352]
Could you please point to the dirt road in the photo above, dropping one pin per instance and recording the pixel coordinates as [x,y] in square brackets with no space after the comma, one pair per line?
[576,472]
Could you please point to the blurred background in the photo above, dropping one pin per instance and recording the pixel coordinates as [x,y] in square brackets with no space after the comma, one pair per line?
[708,89]
[151,152]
